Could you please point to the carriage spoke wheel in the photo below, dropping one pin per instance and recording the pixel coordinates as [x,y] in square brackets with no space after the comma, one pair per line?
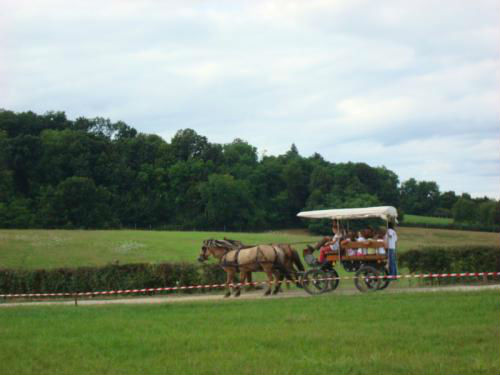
[334,282]
[384,283]
[314,281]
[366,279]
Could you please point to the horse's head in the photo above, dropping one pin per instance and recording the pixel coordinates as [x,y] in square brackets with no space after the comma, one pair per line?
[216,248]
[204,254]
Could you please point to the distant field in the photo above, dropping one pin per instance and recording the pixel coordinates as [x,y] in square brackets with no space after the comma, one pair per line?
[31,249]
[430,333]
[60,248]
[411,238]
[416,219]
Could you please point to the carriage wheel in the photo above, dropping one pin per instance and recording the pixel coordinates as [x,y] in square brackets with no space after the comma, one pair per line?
[366,279]
[314,281]
[384,283]
[334,283]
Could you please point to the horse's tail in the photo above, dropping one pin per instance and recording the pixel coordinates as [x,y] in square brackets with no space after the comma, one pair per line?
[296,260]
[284,270]
[279,264]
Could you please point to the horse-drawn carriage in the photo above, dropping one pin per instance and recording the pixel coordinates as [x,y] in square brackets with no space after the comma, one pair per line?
[367,258]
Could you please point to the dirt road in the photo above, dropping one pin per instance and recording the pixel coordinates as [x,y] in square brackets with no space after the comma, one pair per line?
[170,298]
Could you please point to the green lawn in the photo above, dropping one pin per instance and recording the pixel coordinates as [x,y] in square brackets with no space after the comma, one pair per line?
[411,238]
[58,248]
[31,249]
[428,333]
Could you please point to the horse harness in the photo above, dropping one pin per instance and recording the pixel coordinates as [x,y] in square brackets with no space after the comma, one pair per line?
[224,262]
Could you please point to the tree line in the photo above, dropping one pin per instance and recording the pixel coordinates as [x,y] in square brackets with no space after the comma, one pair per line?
[95,173]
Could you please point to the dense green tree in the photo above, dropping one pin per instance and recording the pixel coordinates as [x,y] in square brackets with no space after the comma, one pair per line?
[185,177]
[17,213]
[387,189]
[321,180]
[420,198]
[296,178]
[497,214]
[447,200]
[31,124]
[228,203]
[69,153]
[6,179]
[76,202]
[21,155]
[487,211]
[465,210]
[240,158]
[187,144]
[95,173]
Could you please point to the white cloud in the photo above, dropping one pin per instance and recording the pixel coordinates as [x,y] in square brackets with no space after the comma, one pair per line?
[458,163]
[373,113]
[412,85]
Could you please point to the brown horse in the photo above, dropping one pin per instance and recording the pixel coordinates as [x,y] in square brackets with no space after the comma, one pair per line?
[292,257]
[265,258]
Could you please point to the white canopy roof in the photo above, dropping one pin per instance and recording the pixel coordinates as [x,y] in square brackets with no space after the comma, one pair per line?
[386,212]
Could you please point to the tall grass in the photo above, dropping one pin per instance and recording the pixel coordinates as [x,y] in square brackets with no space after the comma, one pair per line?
[441,333]
[417,219]
[32,249]
[72,248]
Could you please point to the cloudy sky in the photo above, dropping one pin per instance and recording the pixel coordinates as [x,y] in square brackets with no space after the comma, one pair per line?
[411,85]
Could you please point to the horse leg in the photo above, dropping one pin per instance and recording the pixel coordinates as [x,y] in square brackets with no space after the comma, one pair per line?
[279,281]
[229,281]
[243,276]
[292,276]
[287,267]
[279,278]
[250,286]
[269,273]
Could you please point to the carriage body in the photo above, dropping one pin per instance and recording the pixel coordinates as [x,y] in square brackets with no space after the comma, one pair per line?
[354,254]
[367,258]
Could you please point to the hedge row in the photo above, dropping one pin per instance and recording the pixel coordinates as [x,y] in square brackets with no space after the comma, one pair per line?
[452,259]
[454,226]
[109,277]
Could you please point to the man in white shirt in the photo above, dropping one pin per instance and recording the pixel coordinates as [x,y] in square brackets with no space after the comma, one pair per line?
[391,238]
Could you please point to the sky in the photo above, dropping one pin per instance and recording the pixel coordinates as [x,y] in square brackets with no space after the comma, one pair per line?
[410,85]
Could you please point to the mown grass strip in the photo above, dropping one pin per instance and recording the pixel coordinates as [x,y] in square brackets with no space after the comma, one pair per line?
[439,333]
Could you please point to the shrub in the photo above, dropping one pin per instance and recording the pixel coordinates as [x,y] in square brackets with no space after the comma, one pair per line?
[452,259]
[109,277]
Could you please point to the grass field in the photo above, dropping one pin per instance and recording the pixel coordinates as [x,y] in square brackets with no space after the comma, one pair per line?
[382,333]
[30,249]
[417,219]
[431,333]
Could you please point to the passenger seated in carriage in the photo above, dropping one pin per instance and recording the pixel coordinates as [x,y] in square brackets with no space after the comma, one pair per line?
[330,246]
[361,238]
[351,237]
[379,236]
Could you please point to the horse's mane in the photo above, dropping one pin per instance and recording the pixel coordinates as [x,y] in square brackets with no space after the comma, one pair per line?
[226,243]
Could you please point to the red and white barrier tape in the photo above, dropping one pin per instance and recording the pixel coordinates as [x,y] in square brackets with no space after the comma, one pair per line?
[191,287]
